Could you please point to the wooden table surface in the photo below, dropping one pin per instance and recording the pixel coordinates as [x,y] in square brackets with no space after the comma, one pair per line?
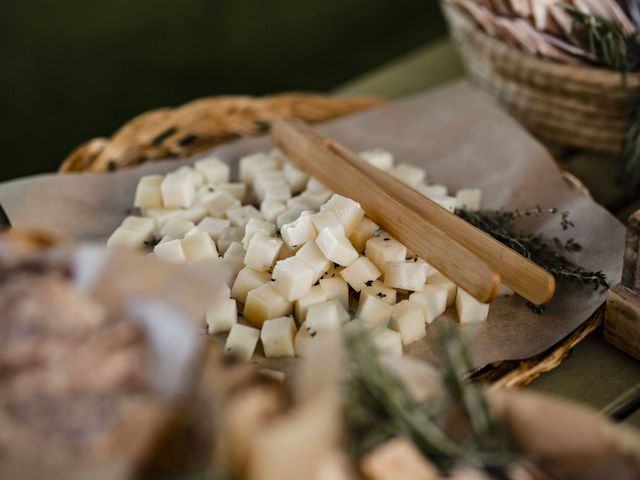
[596,373]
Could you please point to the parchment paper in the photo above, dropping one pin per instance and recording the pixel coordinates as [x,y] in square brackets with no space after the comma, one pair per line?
[462,138]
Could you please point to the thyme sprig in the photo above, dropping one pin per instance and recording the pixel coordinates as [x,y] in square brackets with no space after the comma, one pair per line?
[547,254]
[378,406]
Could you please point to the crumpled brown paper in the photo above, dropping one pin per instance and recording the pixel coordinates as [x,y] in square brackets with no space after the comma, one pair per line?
[462,138]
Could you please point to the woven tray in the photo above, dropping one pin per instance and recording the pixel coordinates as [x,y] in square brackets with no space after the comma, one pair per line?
[221,119]
[577,106]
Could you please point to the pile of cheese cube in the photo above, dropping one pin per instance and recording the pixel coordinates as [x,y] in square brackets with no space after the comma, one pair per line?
[306,261]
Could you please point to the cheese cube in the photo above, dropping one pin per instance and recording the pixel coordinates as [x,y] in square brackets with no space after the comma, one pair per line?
[296,178]
[448,203]
[255,225]
[237,189]
[432,190]
[197,178]
[198,247]
[325,220]
[242,341]
[286,251]
[213,169]
[281,193]
[363,232]
[270,209]
[316,186]
[304,201]
[378,157]
[213,226]
[267,179]
[349,212]
[279,156]
[336,247]
[254,163]
[162,215]
[469,309]
[287,216]
[334,269]
[378,290]
[193,214]
[262,252]
[265,303]
[247,280]
[374,312]
[222,315]
[409,174]
[326,316]
[218,203]
[170,251]
[133,232]
[148,192]
[176,228]
[240,216]
[292,278]
[335,289]
[298,232]
[315,296]
[234,256]
[432,300]
[468,199]
[177,190]
[407,318]
[278,337]
[405,275]
[360,273]
[387,342]
[304,340]
[228,236]
[440,280]
[384,248]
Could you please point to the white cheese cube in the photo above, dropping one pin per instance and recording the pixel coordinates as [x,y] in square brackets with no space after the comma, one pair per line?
[279,156]
[218,203]
[304,340]
[407,318]
[148,192]
[234,256]
[177,190]
[409,174]
[304,202]
[193,214]
[222,315]
[213,169]
[197,178]
[469,309]
[287,216]
[228,236]
[213,226]
[262,252]
[432,300]
[237,189]
[162,215]
[349,212]
[296,178]
[132,236]
[254,163]
[255,225]
[270,209]
[286,251]
[298,232]
[374,312]
[378,157]
[248,279]
[242,341]
[387,342]
[384,248]
[336,247]
[170,251]
[405,275]
[176,228]
[292,278]
[448,203]
[335,289]
[278,337]
[378,290]
[360,273]
[199,247]
[316,186]
[240,216]
[363,232]
[145,226]
[267,179]
[433,190]
[281,193]
[315,296]
[265,303]
[440,280]
[323,220]
[469,199]
[334,269]
[326,316]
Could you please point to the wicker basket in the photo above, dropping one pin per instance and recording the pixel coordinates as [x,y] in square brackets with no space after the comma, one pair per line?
[570,105]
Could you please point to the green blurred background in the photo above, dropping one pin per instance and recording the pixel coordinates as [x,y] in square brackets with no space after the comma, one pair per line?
[72,70]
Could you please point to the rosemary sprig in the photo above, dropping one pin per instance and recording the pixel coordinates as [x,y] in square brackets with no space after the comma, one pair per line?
[549,255]
[378,407]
